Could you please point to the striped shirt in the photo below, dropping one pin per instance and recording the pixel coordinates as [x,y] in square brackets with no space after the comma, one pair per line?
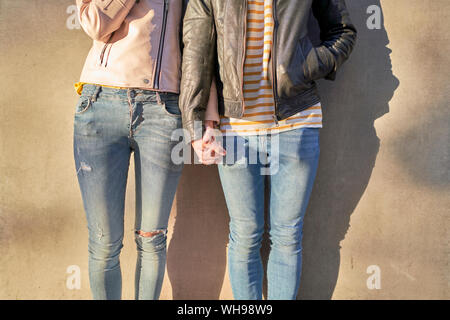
[259,113]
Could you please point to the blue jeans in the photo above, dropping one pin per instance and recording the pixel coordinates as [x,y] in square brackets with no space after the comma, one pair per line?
[293,160]
[109,125]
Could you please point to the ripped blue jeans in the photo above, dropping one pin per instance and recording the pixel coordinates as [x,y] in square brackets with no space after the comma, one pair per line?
[110,124]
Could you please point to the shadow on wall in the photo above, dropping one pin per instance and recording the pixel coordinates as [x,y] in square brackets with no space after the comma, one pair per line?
[349,147]
[196,257]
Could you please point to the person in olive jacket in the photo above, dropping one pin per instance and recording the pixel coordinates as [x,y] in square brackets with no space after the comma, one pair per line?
[256,56]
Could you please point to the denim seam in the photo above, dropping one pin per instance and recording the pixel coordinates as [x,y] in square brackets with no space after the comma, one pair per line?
[130,107]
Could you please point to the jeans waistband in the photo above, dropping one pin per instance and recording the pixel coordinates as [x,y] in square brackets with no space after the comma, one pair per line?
[94,91]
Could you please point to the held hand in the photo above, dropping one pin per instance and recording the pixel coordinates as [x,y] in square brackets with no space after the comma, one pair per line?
[207,149]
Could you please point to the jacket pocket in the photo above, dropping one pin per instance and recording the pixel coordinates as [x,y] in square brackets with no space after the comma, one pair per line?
[317,61]
[111,8]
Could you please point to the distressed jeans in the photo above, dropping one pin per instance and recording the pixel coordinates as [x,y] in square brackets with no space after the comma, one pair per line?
[110,124]
[288,162]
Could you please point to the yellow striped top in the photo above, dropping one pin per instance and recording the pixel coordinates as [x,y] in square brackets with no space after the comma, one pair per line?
[259,114]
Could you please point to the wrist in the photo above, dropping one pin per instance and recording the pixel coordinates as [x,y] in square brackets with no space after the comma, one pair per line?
[211,124]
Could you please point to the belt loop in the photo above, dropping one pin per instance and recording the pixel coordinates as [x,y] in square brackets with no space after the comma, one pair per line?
[158,97]
[96,92]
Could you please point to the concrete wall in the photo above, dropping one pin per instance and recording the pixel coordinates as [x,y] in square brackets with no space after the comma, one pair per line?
[381,196]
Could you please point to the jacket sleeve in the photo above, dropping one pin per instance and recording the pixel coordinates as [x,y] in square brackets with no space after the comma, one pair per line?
[100,18]
[212,111]
[199,37]
[337,33]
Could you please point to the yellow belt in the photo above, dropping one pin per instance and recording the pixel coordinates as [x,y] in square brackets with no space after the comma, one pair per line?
[79,87]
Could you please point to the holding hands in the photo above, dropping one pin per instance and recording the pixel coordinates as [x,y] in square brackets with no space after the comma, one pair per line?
[208,149]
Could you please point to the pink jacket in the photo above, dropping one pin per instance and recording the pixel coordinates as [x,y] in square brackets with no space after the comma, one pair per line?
[136,44]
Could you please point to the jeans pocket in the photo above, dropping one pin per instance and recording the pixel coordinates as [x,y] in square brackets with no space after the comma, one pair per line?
[172,108]
[84,103]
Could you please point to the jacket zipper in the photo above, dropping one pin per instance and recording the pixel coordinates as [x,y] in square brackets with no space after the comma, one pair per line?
[161,45]
[274,65]
[243,56]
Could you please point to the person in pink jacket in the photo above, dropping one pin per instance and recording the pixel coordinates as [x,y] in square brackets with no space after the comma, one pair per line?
[128,104]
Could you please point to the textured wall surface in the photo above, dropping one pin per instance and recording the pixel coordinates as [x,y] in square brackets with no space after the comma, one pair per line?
[381,197]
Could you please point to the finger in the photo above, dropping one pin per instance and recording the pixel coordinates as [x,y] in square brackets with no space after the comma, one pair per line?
[208,136]
[209,159]
[215,149]
[211,134]
[219,149]
[210,155]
